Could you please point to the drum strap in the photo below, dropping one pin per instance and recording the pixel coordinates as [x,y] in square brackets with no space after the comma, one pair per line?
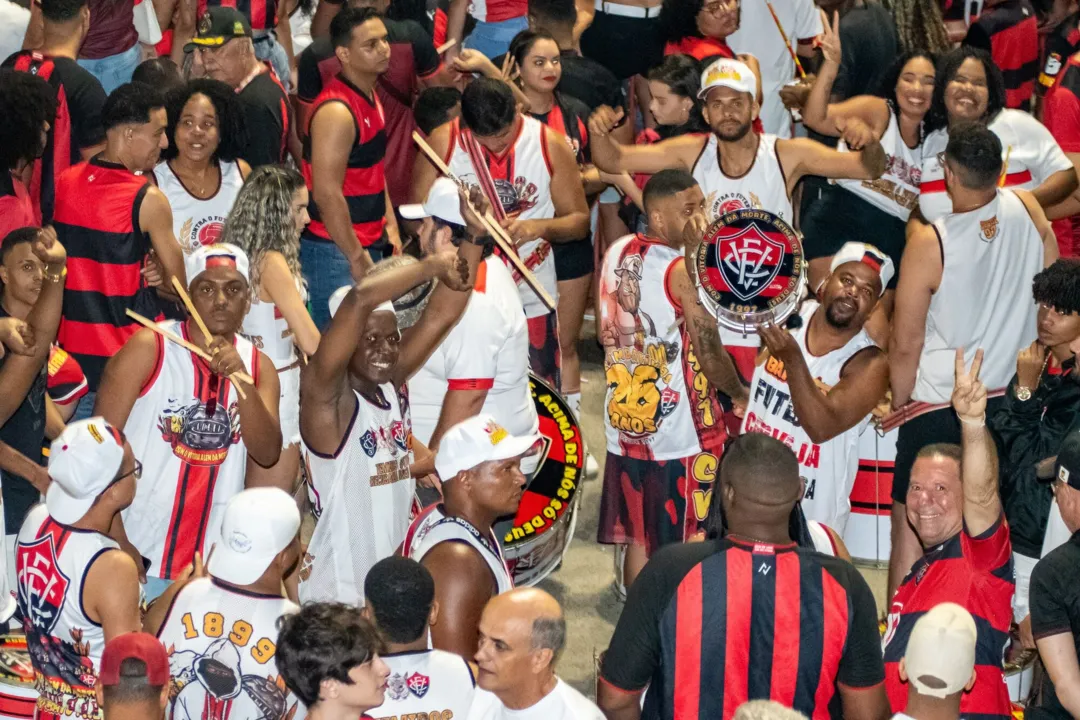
[486,542]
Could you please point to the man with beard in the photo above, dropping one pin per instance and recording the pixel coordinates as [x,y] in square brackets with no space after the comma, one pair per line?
[354,421]
[815,386]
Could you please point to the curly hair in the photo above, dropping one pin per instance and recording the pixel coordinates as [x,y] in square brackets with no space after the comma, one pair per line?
[678,19]
[21,130]
[950,64]
[1059,285]
[887,87]
[232,133]
[919,25]
[261,219]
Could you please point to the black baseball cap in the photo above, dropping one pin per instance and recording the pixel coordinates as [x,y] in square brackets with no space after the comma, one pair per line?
[1067,467]
[217,26]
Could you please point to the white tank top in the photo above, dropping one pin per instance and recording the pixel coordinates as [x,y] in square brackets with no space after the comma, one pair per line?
[51,564]
[827,469]
[897,190]
[185,429]
[429,684]
[361,497]
[990,256]
[522,177]
[433,526]
[659,404]
[209,620]
[823,542]
[762,187]
[198,222]
[267,329]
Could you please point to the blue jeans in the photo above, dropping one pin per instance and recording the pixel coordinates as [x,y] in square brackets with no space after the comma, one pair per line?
[115,70]
[268,48]
[493,39]
[325,269]
[86,407]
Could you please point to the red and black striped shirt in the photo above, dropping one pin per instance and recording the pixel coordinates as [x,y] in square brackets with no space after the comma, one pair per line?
[261,14]
[708,626]
[1010,32]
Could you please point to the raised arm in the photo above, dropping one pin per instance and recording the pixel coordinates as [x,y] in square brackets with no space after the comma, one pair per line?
[612,157]
[809,157]
[920,274]
[982,504]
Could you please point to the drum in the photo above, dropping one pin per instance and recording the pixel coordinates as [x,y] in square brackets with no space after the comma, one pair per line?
[544,524]
[17,694]
[867,532]
[750,269]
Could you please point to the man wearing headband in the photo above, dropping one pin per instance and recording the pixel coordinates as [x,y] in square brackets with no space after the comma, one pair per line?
[354,423]
[816,385]
[186,418]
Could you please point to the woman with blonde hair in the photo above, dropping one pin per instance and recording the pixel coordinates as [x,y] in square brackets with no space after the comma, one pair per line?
[266,221]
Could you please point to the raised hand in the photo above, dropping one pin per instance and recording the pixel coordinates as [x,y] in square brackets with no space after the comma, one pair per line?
[453,270]
[605,119]
[473,205]
[224,358]
[829,40]
[48,249]
[969,394]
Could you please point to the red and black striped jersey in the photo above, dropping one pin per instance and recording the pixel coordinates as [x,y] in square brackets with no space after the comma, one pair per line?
[708,626]
[1061,115]
[261,14]
[1059,47]
[1010,32]
[976,573]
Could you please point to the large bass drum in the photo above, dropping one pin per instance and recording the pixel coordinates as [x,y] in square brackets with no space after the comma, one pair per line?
[544,524]
[750,269]
[18,696]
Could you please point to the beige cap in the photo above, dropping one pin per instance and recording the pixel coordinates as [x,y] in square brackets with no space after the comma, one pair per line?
[941,651]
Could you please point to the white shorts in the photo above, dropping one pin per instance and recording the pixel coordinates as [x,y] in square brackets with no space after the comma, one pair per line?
[289,406]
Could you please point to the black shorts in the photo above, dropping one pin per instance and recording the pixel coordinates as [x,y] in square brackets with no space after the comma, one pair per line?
[573,259]
[624,45]
[832,216]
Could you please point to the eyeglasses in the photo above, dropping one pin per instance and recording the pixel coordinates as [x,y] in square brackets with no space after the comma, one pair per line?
[716,8]
[941,159]
[136,471]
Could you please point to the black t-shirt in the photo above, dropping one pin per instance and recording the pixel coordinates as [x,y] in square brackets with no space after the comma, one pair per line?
[24,431]
[586,80]
[698,602]
[267,116]
[1055,609]
[868,38]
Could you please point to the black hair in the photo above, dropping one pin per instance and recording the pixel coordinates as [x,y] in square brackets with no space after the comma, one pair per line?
[61,10]
[975,152]
[130,103]
[134,686]
[681,73]
[561,13]
[665,184]
[15,238]
[488,106]
[760,460]
[523,42]
[232,132]
[433,107]
[400,592]
[1059,285]
[949,65]
[887,86]
[21,129]
[323,641]
[160,72]
[678,19]
[342,25]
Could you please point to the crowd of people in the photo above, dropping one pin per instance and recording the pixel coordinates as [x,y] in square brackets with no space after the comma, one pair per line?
[291,302]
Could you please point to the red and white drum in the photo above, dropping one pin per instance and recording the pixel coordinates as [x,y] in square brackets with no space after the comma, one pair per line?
[867,532]
[17,694]
[545,520]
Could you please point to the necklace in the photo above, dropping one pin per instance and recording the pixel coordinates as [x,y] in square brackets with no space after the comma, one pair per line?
[754,540]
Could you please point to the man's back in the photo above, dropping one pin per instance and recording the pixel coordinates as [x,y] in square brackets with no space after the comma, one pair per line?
[431,683]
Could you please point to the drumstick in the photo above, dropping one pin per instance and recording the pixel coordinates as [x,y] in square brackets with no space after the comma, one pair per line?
[179,286]
[445,46]
[1005,167]
[787,43]
[192,347]
[505,243]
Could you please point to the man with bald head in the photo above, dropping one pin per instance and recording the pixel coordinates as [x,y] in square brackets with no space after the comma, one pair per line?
[750,616]
[522,634]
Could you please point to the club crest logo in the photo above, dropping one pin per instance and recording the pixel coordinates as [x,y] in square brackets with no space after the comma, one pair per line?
[369,442]
[749,261]
[418,684]
[399,435]
[42,586]
[988,229]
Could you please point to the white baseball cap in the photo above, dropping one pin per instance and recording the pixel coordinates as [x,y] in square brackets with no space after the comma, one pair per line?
[940,652]
[339,297]
[83,460]
[258,524]
[441,202]
[869,255]
[221,254]
[733,74]
[479,440]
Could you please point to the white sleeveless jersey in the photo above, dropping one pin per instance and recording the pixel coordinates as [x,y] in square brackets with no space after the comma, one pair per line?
[823,541]
[659,404]
[429,684]
[211,621]
[984,300]
[51,564]
[522,177]
[828,469]
[268,330]
[185,429]
[361,497]
[762,187]
[897,190]
[1033,156]
[198,222]
[433,526]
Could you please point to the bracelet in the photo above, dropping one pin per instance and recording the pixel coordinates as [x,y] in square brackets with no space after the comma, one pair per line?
[58,276]
[981,422]
[480,240]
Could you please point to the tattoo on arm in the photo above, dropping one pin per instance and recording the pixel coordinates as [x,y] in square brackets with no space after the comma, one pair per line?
[712,354]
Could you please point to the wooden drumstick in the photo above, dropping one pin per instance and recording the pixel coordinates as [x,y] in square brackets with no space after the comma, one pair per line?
[179,286]
[1005,167]
[498,233]
[445,46]
[787,43]
[192,347]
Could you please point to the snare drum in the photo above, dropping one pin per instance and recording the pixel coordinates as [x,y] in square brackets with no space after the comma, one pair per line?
[544,524]
[18,697]
[867,532]
[750,269]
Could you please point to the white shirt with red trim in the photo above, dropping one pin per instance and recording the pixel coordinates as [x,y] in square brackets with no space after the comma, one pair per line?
[488,349]
[1033,156]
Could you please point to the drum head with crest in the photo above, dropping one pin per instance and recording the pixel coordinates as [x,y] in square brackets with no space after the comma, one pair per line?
[750,269]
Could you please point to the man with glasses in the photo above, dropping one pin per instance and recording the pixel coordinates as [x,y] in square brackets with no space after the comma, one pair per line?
[77,590]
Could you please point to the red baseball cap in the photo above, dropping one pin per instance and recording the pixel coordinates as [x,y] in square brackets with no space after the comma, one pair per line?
[141,646]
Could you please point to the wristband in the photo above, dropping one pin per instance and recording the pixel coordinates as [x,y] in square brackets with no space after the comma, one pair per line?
[481,240]
[58,276]
[981,422]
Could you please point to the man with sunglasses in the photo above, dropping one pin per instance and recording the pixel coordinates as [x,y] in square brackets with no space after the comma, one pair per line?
[77,589]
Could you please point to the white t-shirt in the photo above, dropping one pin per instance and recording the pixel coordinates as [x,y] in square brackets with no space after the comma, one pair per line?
[562,703]
[758,35]
[13,21]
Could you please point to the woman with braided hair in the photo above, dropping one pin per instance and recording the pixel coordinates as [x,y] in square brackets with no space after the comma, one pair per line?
[919,26]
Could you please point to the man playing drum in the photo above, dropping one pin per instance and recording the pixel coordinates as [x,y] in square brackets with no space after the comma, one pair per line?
[814,387]
[664,363]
